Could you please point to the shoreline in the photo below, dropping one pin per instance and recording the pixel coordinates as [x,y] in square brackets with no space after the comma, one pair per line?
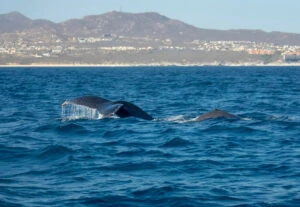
[150,65]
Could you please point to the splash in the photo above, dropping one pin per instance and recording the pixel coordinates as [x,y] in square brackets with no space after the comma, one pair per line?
[71,111]
[179,119]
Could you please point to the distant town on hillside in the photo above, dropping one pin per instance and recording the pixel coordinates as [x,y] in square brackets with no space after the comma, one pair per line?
[118,38]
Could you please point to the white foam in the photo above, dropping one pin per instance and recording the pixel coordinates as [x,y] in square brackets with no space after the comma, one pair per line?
[179,119]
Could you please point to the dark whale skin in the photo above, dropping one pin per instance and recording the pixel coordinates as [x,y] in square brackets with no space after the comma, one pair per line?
[107,108]
[216,113]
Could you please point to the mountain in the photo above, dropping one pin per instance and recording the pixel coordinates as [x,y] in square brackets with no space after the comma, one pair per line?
[14,21]
[154,25]
[151,25]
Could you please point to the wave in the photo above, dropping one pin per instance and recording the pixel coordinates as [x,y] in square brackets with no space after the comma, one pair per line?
[177,142]
[54,152]
[45,128]
[227,128]
[9,203]
[132,166]
[154,192]
[13,153]
[141,152]
[163,198]
[72,128]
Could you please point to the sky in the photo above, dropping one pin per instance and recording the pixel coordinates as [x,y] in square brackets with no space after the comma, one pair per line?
[267,15]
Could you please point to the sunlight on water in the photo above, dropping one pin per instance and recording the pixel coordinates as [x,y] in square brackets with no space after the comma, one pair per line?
[70,111]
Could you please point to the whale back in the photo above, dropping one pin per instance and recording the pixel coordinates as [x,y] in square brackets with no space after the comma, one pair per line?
[216,113]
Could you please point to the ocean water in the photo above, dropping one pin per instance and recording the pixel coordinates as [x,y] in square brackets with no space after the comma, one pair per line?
[170,161]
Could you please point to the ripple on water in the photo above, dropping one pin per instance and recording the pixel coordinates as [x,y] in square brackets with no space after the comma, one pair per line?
[72,129]
[54,152]
[170,161]
[177,142]
[132,166]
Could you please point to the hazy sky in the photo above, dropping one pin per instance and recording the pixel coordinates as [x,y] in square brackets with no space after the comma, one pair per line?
[268,15]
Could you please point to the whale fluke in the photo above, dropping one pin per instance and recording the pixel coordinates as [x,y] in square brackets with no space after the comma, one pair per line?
[109,108]
[88,101]
[128,109]
[216,113]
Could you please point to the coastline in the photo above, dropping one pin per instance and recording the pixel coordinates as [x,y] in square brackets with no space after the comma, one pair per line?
[151,65]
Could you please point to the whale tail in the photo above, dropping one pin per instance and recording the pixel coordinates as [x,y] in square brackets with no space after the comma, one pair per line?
[105,108]
[129,109]
[109,110]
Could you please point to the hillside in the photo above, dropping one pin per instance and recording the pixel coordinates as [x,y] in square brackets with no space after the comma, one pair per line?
[151,25]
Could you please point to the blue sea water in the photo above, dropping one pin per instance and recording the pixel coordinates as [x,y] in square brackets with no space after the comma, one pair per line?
[170,161]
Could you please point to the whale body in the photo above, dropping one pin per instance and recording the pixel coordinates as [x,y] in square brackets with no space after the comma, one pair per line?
[216,113]
[109,108]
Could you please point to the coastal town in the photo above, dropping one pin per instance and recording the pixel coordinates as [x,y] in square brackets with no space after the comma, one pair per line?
[75,50]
